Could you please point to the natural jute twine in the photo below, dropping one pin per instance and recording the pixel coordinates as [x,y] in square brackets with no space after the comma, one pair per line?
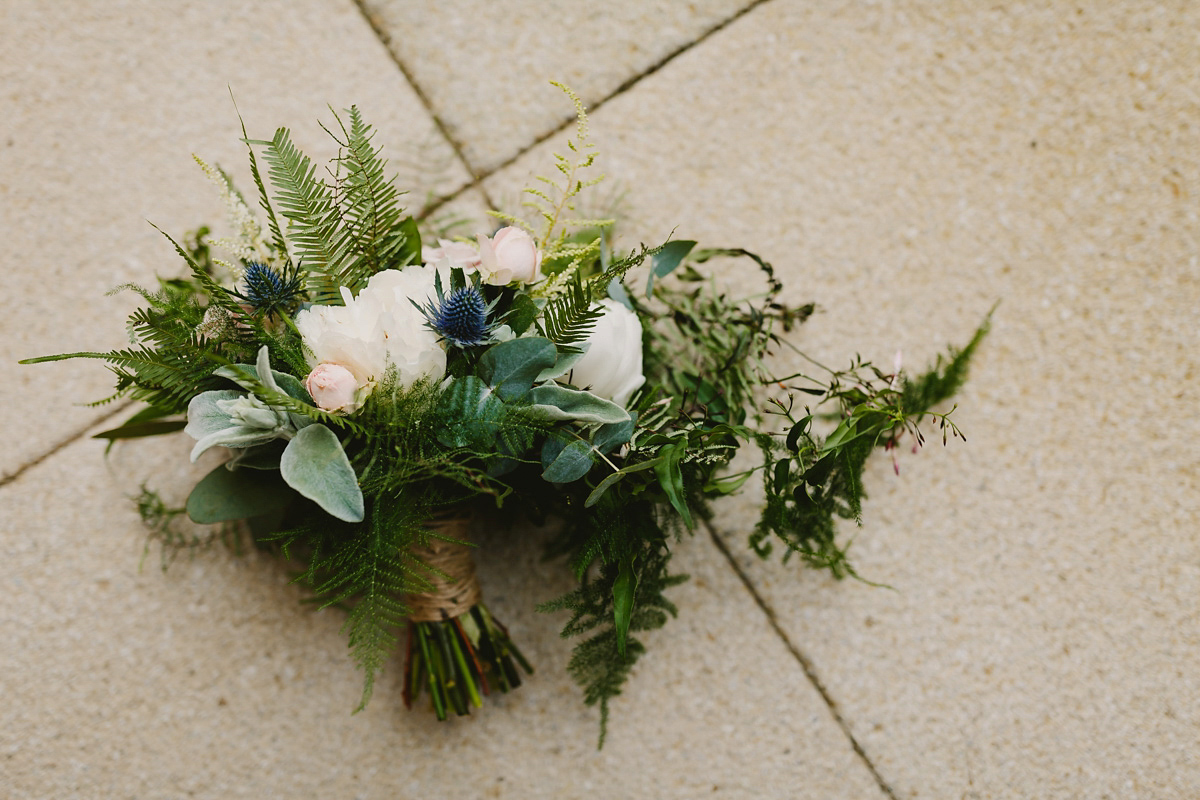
[454,589]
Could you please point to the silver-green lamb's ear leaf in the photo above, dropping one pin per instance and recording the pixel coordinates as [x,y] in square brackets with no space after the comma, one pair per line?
[667,259]
[224,495]
[558,402]
[264,369]
[566,362]
[511,367]
[572,463]
[315,465]
[288,384]
[204,417]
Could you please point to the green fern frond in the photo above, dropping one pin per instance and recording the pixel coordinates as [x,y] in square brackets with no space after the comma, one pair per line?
[570,317]
[369,567]
[320,242]
[369,201]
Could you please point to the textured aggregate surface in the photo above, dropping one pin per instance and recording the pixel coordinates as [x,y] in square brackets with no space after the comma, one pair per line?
[905,165]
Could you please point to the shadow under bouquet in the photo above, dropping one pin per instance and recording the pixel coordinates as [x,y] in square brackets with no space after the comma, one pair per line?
[374,386]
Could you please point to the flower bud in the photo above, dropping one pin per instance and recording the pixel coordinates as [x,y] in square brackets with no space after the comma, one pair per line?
[333,387]
[510,255]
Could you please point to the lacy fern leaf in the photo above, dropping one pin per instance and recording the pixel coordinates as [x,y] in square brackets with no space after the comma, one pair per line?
[321,244]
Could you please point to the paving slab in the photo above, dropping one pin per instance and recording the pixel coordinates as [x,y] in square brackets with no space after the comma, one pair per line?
[211,680]
[104,103]
[485,67]
[906,166]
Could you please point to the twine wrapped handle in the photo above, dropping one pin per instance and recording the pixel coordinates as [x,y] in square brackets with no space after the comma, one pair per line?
[454,588]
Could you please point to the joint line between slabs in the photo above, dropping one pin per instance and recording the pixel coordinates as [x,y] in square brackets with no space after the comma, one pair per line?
[71,439]
[806,664]
[476,178]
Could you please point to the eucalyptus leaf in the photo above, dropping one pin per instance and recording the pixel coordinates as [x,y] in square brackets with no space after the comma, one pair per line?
[473,409]
[316,466]
[511,367]
[617,291]
[522,314]
[572,463]
[611,436]
[666,260]
[554,445]
[224,495]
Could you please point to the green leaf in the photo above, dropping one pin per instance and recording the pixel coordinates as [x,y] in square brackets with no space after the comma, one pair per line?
[624,588]
[728,484]
[316,466]
[851,428]
[566,362]
[139,429]
[666,260]
[522,314]
[410,251]
[473,412]
[558,402]
[511,367]
[571,464]
[782,469]
[611,436]
[798,430]
[604,485]
[569,318]
[670,477]
[617,291]
[224,495]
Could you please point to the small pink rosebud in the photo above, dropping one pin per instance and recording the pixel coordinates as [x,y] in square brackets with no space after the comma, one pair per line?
[460,255]
[333,387]
[510,255]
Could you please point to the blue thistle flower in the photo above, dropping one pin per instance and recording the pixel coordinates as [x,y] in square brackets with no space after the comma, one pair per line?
[268,291]
[461,317]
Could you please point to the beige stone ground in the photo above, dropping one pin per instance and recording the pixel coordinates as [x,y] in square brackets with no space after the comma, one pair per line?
[904,165]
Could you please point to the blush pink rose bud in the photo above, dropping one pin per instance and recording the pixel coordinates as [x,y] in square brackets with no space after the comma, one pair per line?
[457,254]
[510,255]
[333,387]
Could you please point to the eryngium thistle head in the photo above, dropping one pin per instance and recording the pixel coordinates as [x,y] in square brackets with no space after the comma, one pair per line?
[268,291]
[460,317]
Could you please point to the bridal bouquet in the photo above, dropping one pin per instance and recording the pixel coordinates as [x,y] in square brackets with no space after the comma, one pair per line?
[376,387]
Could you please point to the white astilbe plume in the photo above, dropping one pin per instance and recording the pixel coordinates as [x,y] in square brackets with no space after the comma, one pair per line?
[250,245]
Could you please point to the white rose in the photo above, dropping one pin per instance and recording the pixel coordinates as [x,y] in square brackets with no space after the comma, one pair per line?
[350,335]
[612,366]
[333,388]
[412,346]
[380,327]
[461,255]
[510,255]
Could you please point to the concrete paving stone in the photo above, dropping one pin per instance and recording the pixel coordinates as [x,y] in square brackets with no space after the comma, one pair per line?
[211,680]
[486,66]
[104,103]
[907,165]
